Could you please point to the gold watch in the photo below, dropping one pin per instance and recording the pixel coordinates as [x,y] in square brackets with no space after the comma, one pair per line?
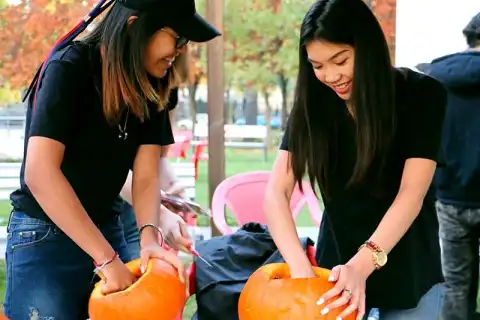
[379,256]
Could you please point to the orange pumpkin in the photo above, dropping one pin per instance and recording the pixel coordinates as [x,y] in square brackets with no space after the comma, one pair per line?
[270,293]
[157,294]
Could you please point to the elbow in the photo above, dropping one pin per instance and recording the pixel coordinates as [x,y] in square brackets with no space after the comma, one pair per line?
[413,197]
[273,197]
[31,175]
[37,175]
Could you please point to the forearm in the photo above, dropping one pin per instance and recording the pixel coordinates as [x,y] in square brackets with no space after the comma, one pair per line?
[283,230]
[59,201]
[167,173]
[167,176]
[146,205]
[397,220]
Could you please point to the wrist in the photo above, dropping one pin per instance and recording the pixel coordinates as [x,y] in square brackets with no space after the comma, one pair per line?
[150,234]
[362,262]
[103,255]
[299,263]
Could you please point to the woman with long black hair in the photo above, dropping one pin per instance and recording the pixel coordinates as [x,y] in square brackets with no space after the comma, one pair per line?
[100,110]
[368,135]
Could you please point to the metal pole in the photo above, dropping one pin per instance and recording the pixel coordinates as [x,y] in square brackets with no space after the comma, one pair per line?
[215,108]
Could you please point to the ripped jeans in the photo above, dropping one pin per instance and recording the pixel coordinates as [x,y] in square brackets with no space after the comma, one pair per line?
[459,235]
[49,277]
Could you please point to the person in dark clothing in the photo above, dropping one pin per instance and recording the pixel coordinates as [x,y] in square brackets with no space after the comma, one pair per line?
[457,178]
[99,111]
[369,135]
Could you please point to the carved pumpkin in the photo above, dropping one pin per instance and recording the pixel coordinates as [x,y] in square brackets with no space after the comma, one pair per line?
[270,293]
[157,294]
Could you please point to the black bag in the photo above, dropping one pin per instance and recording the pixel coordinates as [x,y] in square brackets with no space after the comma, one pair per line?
[234,258]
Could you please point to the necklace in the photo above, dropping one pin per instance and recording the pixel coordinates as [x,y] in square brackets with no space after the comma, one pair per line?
[123,134]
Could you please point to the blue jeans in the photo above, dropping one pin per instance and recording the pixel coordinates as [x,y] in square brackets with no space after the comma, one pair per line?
[429,307]
[48,275]
[459,235]
[130,229]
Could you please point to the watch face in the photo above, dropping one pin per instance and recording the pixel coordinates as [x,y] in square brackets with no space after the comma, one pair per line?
[382,259]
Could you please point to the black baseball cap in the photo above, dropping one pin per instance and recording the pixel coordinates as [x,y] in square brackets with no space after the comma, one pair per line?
[180,15]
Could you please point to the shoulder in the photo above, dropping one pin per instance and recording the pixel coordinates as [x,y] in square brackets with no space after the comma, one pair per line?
[77,55]
[70,66]
[420,91]
[422,84]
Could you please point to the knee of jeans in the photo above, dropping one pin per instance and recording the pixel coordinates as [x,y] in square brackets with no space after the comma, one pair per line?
[36,315]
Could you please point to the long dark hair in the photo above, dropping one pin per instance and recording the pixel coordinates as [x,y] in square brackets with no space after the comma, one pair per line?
[313,134]
[125,79]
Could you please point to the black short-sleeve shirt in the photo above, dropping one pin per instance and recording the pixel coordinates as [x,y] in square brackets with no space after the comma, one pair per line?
[352,214]
[121,206]
[69,109]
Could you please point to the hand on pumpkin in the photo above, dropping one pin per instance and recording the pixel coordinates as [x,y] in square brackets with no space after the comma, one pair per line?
[154,251]
[350,289]
[116,277]
[175,230]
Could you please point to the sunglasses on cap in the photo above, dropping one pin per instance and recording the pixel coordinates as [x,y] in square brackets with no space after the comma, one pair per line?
[180,41]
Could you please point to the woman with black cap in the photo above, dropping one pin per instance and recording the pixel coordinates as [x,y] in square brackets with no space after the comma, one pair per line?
[99,110]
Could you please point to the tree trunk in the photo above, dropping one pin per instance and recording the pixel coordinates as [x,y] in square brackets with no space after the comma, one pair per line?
[192,90]
[228,107]
[251,106]
[268,116]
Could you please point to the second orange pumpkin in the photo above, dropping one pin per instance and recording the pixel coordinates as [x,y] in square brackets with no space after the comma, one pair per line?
[270,293]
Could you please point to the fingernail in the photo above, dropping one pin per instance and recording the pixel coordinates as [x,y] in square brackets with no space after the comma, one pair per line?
[142,268]
[320,301]
[324,311]
[331,278]
[339,318]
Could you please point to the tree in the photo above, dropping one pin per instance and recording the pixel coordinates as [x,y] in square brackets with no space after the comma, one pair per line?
[262,41]
[385,11]
[197,73]
[29,31]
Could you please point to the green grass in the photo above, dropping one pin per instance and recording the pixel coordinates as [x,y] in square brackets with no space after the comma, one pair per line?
[5,209]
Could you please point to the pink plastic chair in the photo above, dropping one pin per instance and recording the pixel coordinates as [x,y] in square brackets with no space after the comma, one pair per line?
[244,195]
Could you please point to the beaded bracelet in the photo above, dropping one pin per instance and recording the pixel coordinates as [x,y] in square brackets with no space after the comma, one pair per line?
[156,228]
[100,266]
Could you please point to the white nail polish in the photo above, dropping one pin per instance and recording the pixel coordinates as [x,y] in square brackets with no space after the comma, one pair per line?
[324,311]
[320,302]
[331,278]
[339,318]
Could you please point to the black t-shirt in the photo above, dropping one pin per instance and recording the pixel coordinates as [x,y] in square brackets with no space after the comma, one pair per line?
[121,204]
[69,110]
[352,214]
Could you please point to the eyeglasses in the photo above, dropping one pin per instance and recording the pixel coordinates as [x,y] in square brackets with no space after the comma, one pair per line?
[180,41]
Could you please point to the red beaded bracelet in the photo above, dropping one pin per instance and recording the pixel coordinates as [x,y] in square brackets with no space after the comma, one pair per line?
[106,262]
